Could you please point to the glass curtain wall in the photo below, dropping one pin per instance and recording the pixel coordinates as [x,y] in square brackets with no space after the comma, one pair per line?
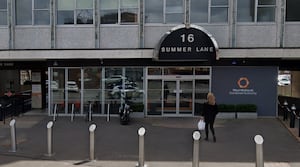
[78,90]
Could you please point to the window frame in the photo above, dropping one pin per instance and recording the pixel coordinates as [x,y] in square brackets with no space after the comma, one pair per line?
[5,11]
[33,9]
[255,10]
[209,12]
[75,9]
[119,10]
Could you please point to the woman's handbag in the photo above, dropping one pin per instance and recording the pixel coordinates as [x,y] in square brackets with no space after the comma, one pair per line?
[201,124]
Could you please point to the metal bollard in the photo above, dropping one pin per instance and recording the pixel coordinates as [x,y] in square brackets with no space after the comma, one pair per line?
[141,133]
[259,151]
[196,137]
[90,112]
[92,129]
[285,112]
[12,125]
[108,113]
[292,116]
[54,112]
[72,112]
[49,139]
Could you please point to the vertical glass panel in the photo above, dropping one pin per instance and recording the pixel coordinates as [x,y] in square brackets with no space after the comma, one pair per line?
[267,2]
[199,11]
[73,88]
[129,15]
[219,2]
[113,82]
[292,10]
[174,18]
[201,90]
[109,4]
[109,17]
[23,12]
[174,6]
[58,89]
[154,11]
[186,97]
[84,4]
[154,71]
[65,17]
[41,17]
[3,4]
[154,104]
[65,4]
[170,97]
[129,3]
[219,15]
[3,18]
[41,4]
[245,11]
[84,16]
[92,88]
[265,14]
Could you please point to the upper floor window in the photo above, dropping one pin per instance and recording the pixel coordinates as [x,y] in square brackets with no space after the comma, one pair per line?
[119,11]
[32,12]
[164,11]
[3,12]
[209,11]
[256,10]
[75,11]
[292,13]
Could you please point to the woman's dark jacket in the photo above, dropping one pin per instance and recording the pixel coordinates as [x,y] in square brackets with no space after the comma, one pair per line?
[209,112]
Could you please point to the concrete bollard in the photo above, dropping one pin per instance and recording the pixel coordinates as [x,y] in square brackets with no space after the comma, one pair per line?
[92,129]
[196,137]
[259,151]
[49,139]
[12,125]
[141,133]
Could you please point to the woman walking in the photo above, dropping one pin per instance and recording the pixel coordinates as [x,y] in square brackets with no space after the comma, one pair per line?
[210,109]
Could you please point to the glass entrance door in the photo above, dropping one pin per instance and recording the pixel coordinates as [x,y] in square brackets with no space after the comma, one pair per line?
[177,97]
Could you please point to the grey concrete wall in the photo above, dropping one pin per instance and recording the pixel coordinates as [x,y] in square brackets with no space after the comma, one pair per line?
[32,37]
[4,38]
[292,35]
[256,35]
[122,36]
[153,33]
[75,37]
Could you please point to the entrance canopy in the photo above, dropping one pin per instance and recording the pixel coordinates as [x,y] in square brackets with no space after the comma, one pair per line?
[186,43]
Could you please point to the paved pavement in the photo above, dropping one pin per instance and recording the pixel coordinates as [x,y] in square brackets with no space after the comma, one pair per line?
[168,142]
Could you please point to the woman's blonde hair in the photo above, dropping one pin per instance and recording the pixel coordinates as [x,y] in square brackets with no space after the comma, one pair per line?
[211,98]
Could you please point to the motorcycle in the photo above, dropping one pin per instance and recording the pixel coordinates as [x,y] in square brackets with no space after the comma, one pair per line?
[124,112]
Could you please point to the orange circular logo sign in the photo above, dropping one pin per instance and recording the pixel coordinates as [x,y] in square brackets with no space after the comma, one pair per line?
[243,82]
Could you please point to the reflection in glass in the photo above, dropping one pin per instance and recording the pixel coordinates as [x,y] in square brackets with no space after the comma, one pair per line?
[154,97]
[23,12]
[245,11]
[219,15]
[199,11]
[202,71]
[3,4]
[41,4]
[154,71]
[129,15]
[84,4]
[219,2]
[267,2]
[266,14]
[201,90]
[109,16]
[3,18]
[154,11]
[178,71]
[65,4]
[41,17]
[65,17]
[92,88]
[292,10]
[84,16]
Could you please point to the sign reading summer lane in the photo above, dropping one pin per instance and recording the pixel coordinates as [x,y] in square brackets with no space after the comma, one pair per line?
[186,44]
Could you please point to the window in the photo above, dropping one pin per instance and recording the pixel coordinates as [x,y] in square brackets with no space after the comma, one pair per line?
[164,11]
[75,11]
[209,11]
[119,11]
[32,12]
[3,12]
[256,10]
[292,13]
